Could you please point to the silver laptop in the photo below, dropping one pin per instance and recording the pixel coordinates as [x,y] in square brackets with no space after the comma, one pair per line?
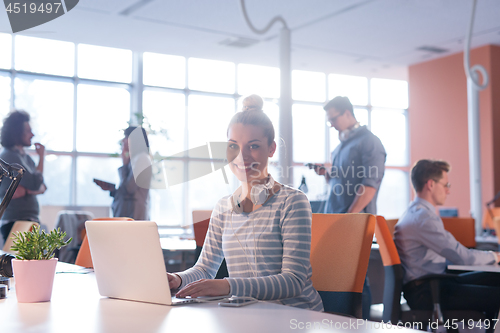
[128,262]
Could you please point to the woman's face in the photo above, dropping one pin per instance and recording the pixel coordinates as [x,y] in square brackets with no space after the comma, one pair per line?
[27,135]
[124,144]
[248,152]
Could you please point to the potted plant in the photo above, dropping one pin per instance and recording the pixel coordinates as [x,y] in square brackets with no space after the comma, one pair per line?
[35,266]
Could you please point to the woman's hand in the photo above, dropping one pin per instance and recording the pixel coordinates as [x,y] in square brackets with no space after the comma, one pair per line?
[205,288]
[41,190]
[20,192]
[40,149]
[174,281]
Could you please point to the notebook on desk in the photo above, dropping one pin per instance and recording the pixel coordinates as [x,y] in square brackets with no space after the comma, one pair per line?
[128,262]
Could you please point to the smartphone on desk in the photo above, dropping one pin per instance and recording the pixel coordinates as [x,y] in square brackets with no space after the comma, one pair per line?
[238,301]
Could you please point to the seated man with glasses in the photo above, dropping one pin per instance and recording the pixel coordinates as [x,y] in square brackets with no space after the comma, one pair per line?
[425,247]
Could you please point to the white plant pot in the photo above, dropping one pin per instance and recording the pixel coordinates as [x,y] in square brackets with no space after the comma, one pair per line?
[34,279]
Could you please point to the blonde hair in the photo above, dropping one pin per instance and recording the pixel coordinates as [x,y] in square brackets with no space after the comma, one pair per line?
[252,114]
[253,102]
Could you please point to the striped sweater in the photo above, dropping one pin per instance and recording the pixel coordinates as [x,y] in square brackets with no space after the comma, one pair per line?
[267,251]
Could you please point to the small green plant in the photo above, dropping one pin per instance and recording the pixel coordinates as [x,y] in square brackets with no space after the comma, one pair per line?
[36,245]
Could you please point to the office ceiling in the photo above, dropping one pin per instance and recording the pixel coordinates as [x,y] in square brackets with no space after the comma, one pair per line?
[376,38]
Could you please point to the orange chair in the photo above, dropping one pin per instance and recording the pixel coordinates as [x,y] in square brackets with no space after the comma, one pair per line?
[201,219]
[84,258]
[340,250]
[391,223]
[496,223]
[393,285]
[393,271]
[462,228]
[488,216]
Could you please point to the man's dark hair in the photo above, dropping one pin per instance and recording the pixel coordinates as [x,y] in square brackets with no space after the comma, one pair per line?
[13,128]
[130,129]
[424,170]
[341,103]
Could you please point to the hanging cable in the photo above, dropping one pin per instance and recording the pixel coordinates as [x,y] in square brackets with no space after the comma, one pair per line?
[285,153]
[475,68]
[253,28]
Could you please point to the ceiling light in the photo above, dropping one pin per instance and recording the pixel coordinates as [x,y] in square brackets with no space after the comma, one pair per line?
[239,42]
[432,49]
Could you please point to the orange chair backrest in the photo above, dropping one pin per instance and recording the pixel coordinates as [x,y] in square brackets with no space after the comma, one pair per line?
[487,217]
[462,228]
[340,250]
[391,224]
[387,248]
[496,223]
[84,258]
[201,220]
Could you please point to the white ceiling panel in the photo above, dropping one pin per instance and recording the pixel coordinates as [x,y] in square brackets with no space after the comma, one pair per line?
[226,16]
[387,29]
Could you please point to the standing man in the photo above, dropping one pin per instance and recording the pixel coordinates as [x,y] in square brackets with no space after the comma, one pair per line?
[425,247]
[15,135]
[130,199]
[358,165]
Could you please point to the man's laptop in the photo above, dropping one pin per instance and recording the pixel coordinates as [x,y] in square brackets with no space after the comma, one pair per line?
[128,262]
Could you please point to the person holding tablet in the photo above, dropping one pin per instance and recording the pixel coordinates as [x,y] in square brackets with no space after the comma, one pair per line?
[129,199]
[263,229]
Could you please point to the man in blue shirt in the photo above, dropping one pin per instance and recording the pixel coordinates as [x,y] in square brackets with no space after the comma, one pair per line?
[358,165]
[425,247]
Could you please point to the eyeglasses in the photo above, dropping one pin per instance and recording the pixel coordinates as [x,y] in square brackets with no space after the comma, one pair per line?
[447,185]
[332,119]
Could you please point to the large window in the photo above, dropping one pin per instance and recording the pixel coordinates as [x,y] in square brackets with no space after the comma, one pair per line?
[5,51]
[355,87]
[102,112]
[308,86]
[308,133]
[50,104]
[186,103]
[211,75]
[45,56]
[4,94]
[164,70]
[165,113]
[104,63]
[261,80]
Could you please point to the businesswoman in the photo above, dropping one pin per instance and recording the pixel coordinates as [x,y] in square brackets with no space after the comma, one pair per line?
[263,229]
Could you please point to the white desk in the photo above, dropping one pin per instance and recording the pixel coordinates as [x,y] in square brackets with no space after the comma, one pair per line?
[475,268]
[77,307]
